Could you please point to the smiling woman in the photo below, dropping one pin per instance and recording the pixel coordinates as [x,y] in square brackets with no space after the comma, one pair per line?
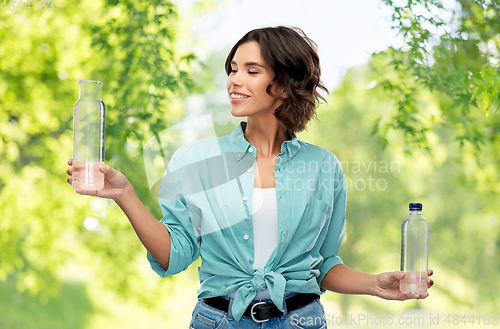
[268,240]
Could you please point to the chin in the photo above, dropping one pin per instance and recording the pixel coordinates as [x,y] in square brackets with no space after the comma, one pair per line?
[238,114]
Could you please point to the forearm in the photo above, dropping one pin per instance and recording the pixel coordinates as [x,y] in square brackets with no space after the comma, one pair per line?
[152,233]
[342,279]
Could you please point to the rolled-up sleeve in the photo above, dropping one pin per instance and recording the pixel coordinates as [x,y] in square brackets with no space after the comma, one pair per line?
[184,248]
[335,231]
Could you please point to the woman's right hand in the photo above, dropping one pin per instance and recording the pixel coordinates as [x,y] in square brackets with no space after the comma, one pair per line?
[115,183]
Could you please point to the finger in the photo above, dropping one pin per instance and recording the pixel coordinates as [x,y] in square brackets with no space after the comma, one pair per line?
[69,171]
[69,180]
[105,169]
[407,296]
[70,161]
[430,272]
[109,171]
[430,282]
[391,277]
[88,192]
[417,296]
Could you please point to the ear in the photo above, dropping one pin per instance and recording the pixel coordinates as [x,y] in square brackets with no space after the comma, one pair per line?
[283,93]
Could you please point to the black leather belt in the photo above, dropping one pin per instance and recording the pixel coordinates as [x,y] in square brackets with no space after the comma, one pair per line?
[262,311]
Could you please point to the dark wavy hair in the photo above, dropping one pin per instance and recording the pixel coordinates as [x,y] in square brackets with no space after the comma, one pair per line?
[294,59]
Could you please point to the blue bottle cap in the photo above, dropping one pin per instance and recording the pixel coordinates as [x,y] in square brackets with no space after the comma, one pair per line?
[415,206]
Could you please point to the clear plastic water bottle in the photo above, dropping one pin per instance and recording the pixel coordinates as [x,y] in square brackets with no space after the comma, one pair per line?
[89,126]
[414,251]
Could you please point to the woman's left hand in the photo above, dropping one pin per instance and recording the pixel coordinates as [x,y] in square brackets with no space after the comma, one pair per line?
[387,286]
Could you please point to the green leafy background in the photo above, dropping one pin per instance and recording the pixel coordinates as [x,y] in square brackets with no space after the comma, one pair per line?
[415,124]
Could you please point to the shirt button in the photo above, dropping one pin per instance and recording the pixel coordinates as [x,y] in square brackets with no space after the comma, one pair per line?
[245,237]
[250,149]
[282,198]
[284,234]
[245,198]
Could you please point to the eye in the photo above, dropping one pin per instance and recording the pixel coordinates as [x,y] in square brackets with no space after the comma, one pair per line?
[253,72]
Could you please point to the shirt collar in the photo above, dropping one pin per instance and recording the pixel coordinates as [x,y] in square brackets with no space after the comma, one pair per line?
[241,145]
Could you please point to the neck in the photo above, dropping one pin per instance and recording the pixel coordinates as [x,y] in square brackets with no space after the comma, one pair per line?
[266,135]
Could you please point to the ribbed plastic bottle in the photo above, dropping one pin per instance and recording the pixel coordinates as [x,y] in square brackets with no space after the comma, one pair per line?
[414,251]
[89,128]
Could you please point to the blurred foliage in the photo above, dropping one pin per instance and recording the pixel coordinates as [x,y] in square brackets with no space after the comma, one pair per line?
[70,310]
[451,48]
[131,45]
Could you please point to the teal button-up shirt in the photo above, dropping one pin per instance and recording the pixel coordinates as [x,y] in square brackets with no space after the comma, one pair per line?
[206,200]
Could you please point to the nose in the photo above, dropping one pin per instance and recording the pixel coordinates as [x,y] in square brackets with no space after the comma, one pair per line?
[234,79]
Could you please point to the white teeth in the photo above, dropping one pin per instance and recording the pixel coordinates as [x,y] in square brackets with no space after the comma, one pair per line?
[238,96]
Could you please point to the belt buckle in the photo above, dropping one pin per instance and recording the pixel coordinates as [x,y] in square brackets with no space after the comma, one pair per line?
[252,313]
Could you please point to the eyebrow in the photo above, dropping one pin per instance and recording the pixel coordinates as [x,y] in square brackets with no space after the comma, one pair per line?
[249,64]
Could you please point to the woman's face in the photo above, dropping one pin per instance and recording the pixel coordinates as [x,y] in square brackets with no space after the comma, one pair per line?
[247,83]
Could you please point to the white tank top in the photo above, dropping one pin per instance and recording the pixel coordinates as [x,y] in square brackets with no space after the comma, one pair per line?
[265,224]
[265,231]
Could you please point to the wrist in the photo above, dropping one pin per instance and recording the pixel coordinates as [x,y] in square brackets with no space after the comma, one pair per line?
[127,195]
[373,286]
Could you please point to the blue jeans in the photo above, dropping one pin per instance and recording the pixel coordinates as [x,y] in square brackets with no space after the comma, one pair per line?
[310,316]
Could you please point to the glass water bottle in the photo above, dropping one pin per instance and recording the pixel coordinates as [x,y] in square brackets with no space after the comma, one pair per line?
[89,125]
[414,251]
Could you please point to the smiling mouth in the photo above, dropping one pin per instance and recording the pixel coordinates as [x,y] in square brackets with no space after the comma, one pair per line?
[238,96]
